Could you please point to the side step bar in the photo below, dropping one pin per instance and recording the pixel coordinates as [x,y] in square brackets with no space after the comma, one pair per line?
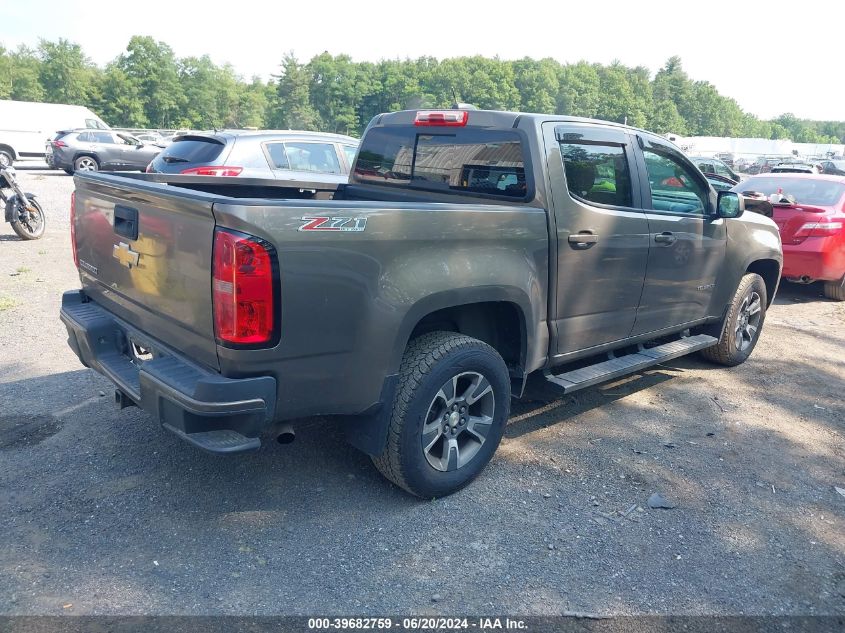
[623,365]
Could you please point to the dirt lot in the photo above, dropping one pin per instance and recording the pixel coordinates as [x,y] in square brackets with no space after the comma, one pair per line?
[104,511]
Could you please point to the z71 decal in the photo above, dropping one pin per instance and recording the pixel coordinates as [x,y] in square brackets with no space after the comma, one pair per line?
[333,224]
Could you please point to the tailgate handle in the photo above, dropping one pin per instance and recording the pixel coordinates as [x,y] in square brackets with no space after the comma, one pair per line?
[126,222]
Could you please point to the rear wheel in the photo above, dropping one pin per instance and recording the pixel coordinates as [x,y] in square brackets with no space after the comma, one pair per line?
[835,290]
[86,163]
[743,323]
[6,158]
[451,407]
[29,223]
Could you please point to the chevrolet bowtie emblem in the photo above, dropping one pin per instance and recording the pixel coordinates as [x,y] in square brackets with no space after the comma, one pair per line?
[125,255]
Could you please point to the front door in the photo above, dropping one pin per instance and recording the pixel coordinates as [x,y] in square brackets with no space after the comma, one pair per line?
[602,234]
[687,240]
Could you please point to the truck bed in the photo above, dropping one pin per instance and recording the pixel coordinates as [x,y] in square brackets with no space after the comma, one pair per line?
[348,297]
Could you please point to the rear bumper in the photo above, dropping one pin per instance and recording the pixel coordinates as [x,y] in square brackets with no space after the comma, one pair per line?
[217,414]
[816,257]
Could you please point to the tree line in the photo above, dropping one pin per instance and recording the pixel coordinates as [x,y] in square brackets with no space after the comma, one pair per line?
[148,86]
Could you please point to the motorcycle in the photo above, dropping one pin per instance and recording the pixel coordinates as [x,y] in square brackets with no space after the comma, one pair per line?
[22,209]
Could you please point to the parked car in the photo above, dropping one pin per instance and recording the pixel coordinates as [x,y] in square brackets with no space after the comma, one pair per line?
[727,158]
[25,127]
[95,150]
[763,165]
[715,166]
[285,155]
[150,138]
[810,213]
[794,168]
[720,183]
[833,167]
[469,249]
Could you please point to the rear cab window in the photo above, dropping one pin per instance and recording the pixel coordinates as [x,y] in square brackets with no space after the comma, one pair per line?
[466,160]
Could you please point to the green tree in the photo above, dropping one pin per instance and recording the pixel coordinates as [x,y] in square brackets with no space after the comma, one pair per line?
[152,67]
[24,81]
[537,84]
[580,90]
[119,100]
[253,105]
[65,73]
[293,107]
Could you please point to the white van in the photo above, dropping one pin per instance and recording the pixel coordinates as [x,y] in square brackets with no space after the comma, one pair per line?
[27,127]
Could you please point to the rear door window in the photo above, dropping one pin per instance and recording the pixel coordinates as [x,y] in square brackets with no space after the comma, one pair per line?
[103,137]
[468,160]
[317,157]
[597,167]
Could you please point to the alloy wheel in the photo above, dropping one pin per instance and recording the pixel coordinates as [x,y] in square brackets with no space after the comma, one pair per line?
[458,420]
[748,321]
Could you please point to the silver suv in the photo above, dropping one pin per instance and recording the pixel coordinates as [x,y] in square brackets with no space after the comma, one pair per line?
[281,155]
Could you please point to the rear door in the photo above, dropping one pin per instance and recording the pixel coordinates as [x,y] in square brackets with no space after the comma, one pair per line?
[105,145]
[602,234]
[687,241]
[145,253]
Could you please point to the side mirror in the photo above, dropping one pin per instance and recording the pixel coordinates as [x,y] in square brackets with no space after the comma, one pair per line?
[730,204]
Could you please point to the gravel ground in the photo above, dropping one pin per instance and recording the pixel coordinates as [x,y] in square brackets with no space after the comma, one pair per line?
[104,511]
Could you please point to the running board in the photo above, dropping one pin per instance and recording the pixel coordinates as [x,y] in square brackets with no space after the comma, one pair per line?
[623,365]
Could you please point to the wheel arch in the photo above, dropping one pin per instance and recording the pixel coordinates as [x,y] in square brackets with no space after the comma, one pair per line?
[82,153]
[8,148]
[769,270]
[499,316]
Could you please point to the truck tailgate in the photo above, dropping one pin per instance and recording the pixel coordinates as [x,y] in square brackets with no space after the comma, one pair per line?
[144,252]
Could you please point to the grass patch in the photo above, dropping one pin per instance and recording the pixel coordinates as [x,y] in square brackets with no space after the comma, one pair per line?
[7,303]
[23,269]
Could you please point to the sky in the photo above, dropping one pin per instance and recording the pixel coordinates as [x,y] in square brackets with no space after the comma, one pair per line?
[770,56]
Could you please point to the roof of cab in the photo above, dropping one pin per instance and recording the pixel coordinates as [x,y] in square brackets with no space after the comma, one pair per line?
[227,135]
[501,118]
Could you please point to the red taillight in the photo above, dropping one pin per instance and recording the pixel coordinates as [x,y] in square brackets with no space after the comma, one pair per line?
[453,118]
[73,229]
[242,289]
[211,170]
[825,228]
[59,144]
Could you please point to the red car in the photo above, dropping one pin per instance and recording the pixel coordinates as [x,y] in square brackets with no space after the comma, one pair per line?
[809,210]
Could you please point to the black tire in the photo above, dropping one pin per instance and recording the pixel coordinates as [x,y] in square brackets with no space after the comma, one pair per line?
[33,228]
[735,344]
[86,163]
[430,363]
[835,290]
[6,158]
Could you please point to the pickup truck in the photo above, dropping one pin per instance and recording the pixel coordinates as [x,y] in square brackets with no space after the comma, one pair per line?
[468,250]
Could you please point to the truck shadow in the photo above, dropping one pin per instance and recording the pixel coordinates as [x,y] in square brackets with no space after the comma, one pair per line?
[267,532]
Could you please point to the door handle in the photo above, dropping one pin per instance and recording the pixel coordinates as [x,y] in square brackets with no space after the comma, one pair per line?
[665,238]
[583,239]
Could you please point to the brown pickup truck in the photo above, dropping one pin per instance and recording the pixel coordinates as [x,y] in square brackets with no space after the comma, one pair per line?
[468,250]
